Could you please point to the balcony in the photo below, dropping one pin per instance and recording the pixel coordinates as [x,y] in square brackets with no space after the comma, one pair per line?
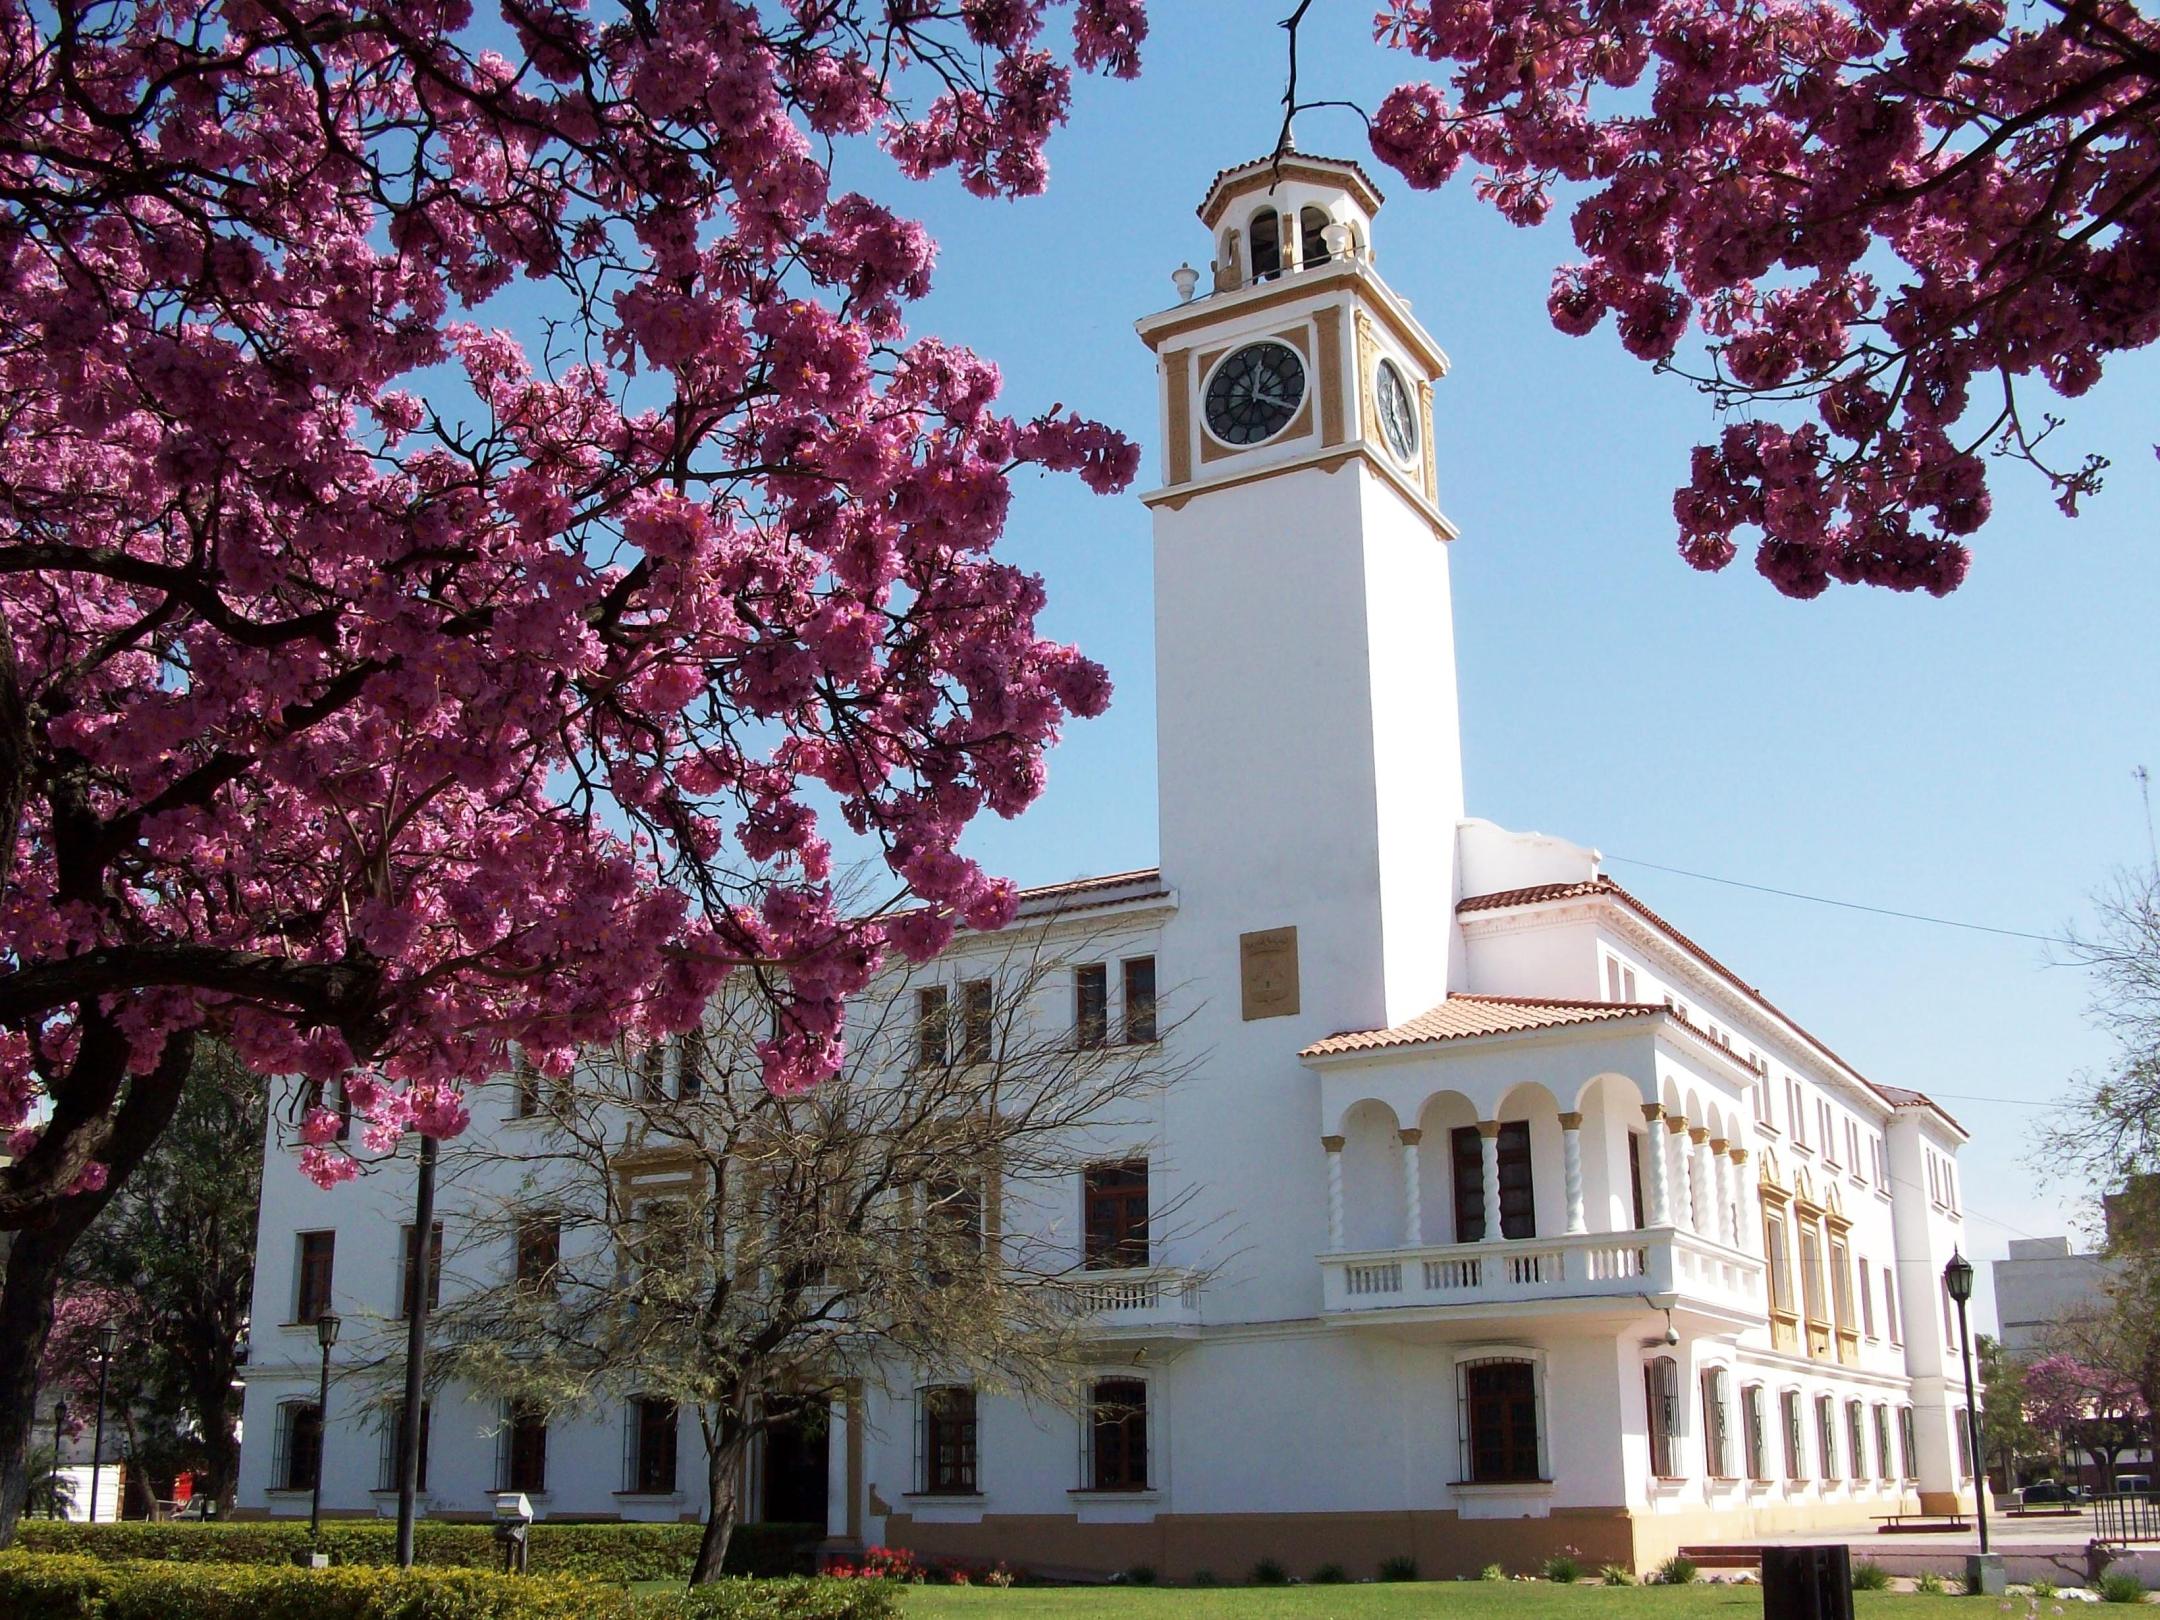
[1585,1269]
[1144,1302]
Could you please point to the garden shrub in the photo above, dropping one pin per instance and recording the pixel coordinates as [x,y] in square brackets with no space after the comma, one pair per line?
[1678,1570]
[1402,1567]
[1617,1575]
[1869,1576]
[1330,1575]
[1563,1567]
[1492,1572]
[1930,1583]
[1204,1577]
[2043,1589]
[1269,1573]
[36,1586]
[1141,1575]
[2121,1587]
[602,1552]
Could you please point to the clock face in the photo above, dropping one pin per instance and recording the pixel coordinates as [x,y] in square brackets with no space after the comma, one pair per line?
[1255,392]
[1398,425]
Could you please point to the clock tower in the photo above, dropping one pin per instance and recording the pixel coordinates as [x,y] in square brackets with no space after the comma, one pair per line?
[1309,761]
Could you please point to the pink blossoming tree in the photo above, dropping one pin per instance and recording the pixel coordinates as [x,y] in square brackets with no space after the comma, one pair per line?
[1891,222]
[2087,1408]
[382,688]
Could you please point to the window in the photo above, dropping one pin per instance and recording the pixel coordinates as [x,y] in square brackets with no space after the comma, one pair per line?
[299,1446]
[1826,1435]
[1841,1285]
[525,1101]
[946,1428]
[539,1253]
[319,1096]
[1139,1000]
[1964,1443]
[1091,1005]
[1795,1439]
[1796,1111]
[953,1223]
[1827,1138]
[1852,1145]
[692,1064]
[649,1429]
[1855,1442]
[1717,1437]
[930,1027]
[1115,1215]
[977,1017]
[317,1252]
[1781,1294]
[1908,1449]
[1635,1175]
[524,1448]
[409,1276]
[1949,1318]
[1752,1435]
[1661,1393]
[1882,1443]
[386,1472]
[1312,246]
[1619,980]
[1500,1422]
[1889,1304]
[652,1073]
[1117,1435]
[1265,234]
[1811,1279]
[1518,1213]
[1867,1301]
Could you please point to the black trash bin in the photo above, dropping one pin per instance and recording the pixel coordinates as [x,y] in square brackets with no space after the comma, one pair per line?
[1807,1583]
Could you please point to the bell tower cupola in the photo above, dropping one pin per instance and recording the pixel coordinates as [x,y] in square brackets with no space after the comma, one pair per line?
[1309,760]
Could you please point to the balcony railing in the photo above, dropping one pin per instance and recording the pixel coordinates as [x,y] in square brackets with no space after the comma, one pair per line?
[1588,1265]
[1152,1296]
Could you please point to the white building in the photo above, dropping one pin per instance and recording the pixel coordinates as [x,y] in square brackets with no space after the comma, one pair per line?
[1524,1223]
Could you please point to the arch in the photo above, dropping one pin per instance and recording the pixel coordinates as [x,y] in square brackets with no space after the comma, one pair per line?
[1312,243]
[1531,1103]
[1615,1140]
[1264,234]
[1372,1176]
[1442,1115]
[1526,1099]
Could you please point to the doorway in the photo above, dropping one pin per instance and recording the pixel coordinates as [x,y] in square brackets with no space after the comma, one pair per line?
[798,1464]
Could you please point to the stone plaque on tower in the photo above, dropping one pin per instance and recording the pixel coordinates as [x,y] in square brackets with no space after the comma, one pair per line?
[1267,971]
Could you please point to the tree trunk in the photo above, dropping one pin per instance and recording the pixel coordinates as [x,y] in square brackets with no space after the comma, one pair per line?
[725,1454]
[37,1260]
[221,1448]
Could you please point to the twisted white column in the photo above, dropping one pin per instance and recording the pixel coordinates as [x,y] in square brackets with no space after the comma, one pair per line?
[1571,1169]
[1334,1146]
[1683,1183]
[1413,1232]
[1654,1163]
[1746,1214]
[1489,1144]
[1721,1182]
[1699,1194]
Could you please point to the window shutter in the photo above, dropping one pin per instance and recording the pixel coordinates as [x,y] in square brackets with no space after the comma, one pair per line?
[631,1427]
[922,1440]
[281,1453]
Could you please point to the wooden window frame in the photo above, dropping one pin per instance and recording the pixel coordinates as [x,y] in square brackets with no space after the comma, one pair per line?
[1112,1239]
[1118,1450]
[314,1275]
[1495,1449]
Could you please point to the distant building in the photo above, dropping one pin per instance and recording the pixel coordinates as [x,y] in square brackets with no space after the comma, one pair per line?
[2039,1284]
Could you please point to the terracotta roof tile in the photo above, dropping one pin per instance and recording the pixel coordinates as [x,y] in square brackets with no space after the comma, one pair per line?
[1896,1096]
[1460,1017]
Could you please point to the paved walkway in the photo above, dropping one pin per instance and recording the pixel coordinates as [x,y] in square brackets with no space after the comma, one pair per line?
[2051,1549]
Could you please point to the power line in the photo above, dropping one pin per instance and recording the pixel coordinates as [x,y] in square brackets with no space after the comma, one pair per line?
[1847,905]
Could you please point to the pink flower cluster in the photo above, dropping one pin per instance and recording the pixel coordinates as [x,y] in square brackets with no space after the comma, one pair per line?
[1897,212]
[401,694]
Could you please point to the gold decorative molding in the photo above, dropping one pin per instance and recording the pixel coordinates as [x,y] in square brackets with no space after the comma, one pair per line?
[1333,1144]
[1488,1127]
[1306,284]
[1368,362]
[1677,1124]
[1432,456]
[1177,375]
[1327,326]
[1410,1137]
[1571,1122]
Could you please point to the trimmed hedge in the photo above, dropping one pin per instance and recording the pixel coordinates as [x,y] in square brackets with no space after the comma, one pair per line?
[601,1552]
[39,1586]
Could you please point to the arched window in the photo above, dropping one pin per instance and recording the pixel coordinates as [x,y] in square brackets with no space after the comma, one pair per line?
[1499,1421]
[298,1456]
[1266,234]
[1312,244]
[1117,1419]
[1717,1437]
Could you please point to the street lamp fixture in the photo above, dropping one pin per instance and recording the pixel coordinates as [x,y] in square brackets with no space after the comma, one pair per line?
[1958,1283]
[326,1331]
[108,1340]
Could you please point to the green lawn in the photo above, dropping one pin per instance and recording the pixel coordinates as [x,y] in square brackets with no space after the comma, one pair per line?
[1402,1600]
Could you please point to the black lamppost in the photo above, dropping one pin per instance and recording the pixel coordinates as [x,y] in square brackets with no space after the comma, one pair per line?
[1958,1278]
[108,1338]
[326,1326]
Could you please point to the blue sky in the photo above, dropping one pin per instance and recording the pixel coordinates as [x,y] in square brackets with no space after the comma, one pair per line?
[1968,758]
